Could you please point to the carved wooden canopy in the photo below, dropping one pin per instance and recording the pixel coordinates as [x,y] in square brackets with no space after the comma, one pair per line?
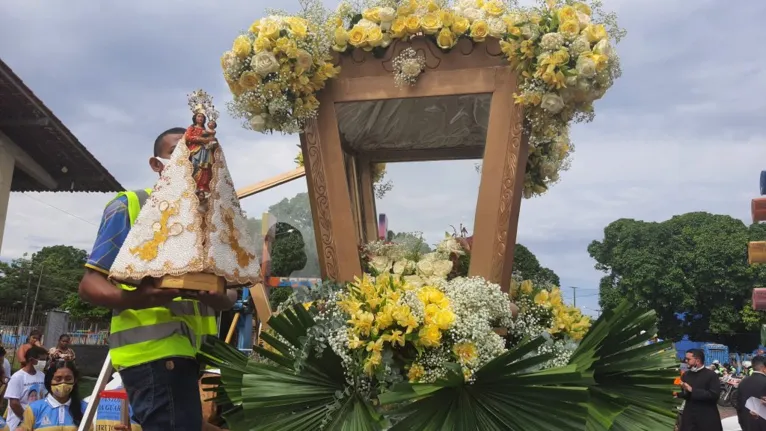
[461,107]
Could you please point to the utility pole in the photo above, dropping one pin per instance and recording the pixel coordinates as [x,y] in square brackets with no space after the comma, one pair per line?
[37,292]
[26,297]
[574,295]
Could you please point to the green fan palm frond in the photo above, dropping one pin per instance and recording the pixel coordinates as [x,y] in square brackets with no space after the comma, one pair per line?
[633,381]
[505,396]
[301,391]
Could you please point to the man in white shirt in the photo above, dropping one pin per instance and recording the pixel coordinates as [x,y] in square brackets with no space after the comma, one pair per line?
[26,385]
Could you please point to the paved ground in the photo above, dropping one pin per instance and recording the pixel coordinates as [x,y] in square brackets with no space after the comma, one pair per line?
[726,412]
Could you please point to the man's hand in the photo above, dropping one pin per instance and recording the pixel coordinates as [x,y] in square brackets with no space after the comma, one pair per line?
[687,387]
[218,301]
[149,295]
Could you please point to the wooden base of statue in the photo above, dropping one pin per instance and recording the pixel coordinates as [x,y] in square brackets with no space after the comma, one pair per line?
[758,209]
[197,281]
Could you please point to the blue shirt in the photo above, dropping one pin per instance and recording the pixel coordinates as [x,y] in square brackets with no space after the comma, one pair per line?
[114,228]
[3,425]
[48,414]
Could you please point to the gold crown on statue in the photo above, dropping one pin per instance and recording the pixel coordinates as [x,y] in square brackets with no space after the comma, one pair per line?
[202,103]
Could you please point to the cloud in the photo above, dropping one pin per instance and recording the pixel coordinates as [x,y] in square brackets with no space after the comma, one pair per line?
[680,131]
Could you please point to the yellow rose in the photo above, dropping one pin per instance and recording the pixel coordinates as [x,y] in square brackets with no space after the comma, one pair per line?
[249,80]
[269,29]
[595,33]
[374,36]
[446,17]
[444,319]
[429,336]
[405,10]
[479,30]
[357,37]
[570,29]
[509,48]
[567,13]
[242,46]
[415,373]
[583,8]
[494,8]
[282,44]
[465,352]
[431,23]
[460,25]
[445,39]
[412,23]
[526,287]
[341,39]
[255,27]
[432,7]
[262,44]
[298,27]
[235,88]
[372,14]
[303,59]
[398,27]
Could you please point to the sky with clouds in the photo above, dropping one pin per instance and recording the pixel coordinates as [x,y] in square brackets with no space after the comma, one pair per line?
[681,131]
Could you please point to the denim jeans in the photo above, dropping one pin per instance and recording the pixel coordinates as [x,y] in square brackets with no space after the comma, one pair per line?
[164,394]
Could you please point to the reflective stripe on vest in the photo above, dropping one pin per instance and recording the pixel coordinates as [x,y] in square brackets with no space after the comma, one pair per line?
[141,336]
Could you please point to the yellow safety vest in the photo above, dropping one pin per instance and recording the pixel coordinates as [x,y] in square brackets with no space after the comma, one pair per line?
[141,336]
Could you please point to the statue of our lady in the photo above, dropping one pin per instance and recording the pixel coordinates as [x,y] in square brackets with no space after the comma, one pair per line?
[191,233]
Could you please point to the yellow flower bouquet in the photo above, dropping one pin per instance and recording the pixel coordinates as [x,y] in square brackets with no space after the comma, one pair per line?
[562,50]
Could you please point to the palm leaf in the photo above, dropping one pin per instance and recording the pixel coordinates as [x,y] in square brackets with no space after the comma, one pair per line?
[504,397]
[633,381]
[301,391]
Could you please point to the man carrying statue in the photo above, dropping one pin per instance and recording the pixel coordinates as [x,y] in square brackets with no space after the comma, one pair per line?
[155,332]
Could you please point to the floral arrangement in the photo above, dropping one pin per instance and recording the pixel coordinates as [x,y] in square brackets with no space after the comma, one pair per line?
[406,258]
[380,353]
[274,71]
[562,50]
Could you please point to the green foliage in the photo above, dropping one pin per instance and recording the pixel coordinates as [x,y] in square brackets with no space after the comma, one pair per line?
[279,295]
[295,212]
[526,264]
[612,382]
[694,263]
[58,270]
[287,251]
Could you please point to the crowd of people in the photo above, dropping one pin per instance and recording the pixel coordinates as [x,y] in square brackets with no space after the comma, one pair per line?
[44,390]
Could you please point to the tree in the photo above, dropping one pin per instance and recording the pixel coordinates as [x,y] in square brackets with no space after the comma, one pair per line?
[288,252]
[58,270]
[526,264]
[692,270]
[296,212]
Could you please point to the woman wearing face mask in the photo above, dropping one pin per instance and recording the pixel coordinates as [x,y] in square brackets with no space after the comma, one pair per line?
[26,385]
[61,409]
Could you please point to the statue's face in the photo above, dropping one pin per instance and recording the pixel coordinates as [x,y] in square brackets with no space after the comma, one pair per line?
[199,119]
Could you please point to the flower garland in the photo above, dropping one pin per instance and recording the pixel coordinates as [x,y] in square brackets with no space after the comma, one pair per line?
[562,51]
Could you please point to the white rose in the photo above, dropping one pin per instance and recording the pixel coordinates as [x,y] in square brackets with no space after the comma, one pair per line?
[381,264]
[547,168]
[465,4]
[258,123]
[497,27]
[586,67]
[583,85]
[603,47]
[386,40]
[570,81]
[366,24]
[552,41]
[264,63]
[384,27]
[411,68]
[472,14]
[404,267]
[413,280]
[579,46]
[530,31]
[386,14]
[442,268]
[552,103]
[583,19]
[425,268]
